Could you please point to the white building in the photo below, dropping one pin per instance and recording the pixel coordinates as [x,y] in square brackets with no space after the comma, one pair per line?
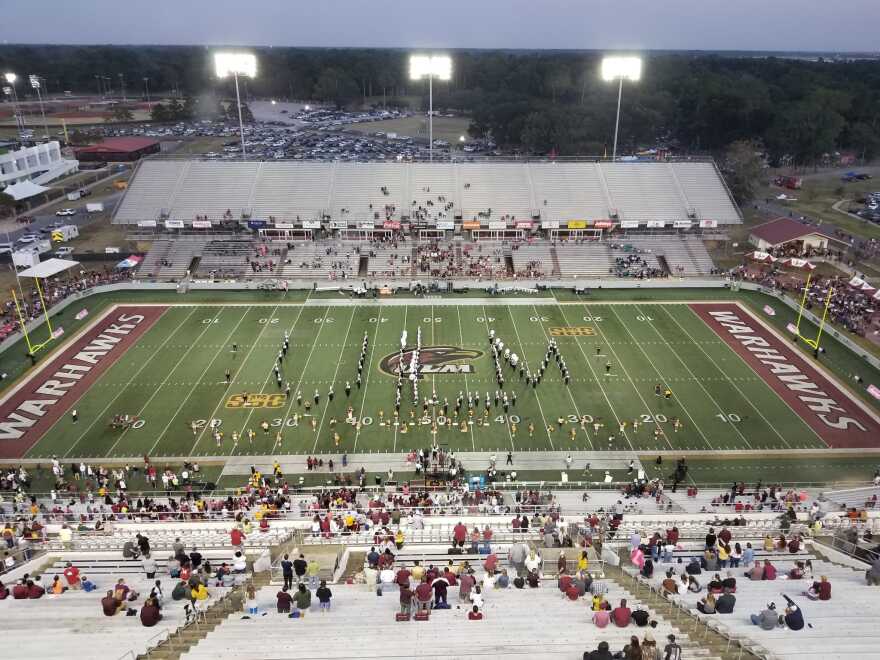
[38,164]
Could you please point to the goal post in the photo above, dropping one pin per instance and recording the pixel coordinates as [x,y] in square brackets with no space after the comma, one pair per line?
[812,342]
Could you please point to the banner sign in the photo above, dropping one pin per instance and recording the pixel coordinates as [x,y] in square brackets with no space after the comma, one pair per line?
[656,224]
[577,224]
[147,223]
[769,311]
[682,224]
[201,224]
[174,224]
[471,225]
[603,224]
[550,224]
[497,224]
[364,225]
[708,224]
[284,225]
[81,314]
[311,224]
[629,224]
[445,225]
[391,224]
[524,224]
[338,224]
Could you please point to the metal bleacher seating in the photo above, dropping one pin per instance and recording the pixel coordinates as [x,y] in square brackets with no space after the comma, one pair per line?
[310,260]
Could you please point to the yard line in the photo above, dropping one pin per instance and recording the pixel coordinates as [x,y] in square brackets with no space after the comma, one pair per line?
[193,388]
[241,366]
[567,388]
[466,387]
[335,373]
[597,379]
[534,389]
[625,373]
[736,387]
[660,375]
[125,387]
[693,375]
[399,368]
[357,433]
[302,374]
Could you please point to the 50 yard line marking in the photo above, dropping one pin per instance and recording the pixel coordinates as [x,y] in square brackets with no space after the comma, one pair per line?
[125,387]
[688,369]
[335,373]
[193,388]
[400,369]
[659,375]
[357,433]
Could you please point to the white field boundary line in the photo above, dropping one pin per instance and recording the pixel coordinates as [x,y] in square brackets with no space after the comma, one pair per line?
[760,377]
[299,381]
[238,371]
[598,382]
[534,389]
[467,387]
[193,388]
[27,377]
[399,367]
[730,380]
[626,373]
[373,343]
[688,369]
[333,381]
[660,375]
[818,366]
[567,387]
[121,391]
[167,376]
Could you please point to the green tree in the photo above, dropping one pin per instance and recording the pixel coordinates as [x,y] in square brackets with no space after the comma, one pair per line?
[743,169]
[160,113]
[7,204]
[122,114]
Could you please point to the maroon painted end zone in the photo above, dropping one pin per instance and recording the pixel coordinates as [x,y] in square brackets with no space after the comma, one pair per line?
[53,390]
[819,402]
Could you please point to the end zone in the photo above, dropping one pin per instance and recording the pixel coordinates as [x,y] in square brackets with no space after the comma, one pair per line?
[841,421]
[44,396]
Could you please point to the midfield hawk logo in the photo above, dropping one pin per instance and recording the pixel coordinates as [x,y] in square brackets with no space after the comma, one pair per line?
[434,360]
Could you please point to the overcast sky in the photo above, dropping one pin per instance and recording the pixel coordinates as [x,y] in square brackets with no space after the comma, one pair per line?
[816,25]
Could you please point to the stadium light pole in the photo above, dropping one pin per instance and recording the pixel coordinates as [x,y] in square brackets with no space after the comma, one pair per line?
[430,67]
[10,79]
[620,69]
[235,65]
[37,84]
[147,89]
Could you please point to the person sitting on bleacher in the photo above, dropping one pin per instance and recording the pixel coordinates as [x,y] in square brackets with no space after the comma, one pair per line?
[693,585]
[794,618]
[57,587]
[601,653]
[20,590]
[181,591]
[4,592]
[284,601]
[503,580]
[797,571]
[111,605]
[150,613]
[820,590]
[769,572]
[621,614]
[87,584]
[715,585]
[872,575]
[35,589]
[725,603]
[768,619]
[694,568]
[670,584]
[710,561]
[199,593]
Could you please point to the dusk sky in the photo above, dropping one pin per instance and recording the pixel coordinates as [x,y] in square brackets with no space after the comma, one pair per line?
[816,25]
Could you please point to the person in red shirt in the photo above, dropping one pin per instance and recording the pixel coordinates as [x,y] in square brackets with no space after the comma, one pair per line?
[71,574]
[284,601]
[20,590]
[820,590]
[449,576]
[459,534]
[4,592]
[475,614]
[621,615]
[236,536]
[769,570]
[34,590]
[424,592]
[490,562]
[402,578]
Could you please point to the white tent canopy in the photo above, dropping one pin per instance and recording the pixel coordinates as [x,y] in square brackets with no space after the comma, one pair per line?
[48,268]
[23,190]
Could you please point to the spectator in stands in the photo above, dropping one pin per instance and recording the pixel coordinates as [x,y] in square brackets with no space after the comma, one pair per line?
[324,595]
[820,590]
[287,570]
[302,600]
[251,600]
[533,561]
[601,617]
[20,590]
[199,593]
[143,544]
[769,571]
[797,571]
[149,566]
[150,614]
[424,591]
[503,580]
[313,570]
[729,582]
[707,604]
[4,592]
[239,563]
[406,596]
[57,587]
[517,556]
[236,537]
[794,618]
[768,619]
[71,574]
[195,558]
[440,585]
[648,568]
[35,589]
[601,653]
[300,566]
[283,600]
[181,591]
[872,575]
[87,585]
[672,651]
[534,579]
[459,534]
[748,555]
[640,617]
[694,567]
[621,615]
[725,603]
[693,586]
[130,550]
[633,650]
[649,647]
[466,583]
[110,604]
[670,584]
[475,614]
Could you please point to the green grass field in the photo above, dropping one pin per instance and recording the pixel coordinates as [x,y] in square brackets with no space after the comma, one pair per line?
[174,375]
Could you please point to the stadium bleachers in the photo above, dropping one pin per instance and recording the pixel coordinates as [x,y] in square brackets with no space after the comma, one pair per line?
[290,190]
[320,261]
[584,259]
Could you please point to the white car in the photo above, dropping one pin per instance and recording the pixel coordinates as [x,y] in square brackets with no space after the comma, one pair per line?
[65,251]
[63,212]
[28,238]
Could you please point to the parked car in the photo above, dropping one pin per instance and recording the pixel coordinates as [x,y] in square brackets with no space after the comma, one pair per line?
[64,212]
[64,251]
[28,238]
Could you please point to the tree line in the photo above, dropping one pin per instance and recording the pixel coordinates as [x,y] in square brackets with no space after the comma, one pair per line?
[537,101]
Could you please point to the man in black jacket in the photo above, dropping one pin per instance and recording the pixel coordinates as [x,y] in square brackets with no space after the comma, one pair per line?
[287,571]
[601,653]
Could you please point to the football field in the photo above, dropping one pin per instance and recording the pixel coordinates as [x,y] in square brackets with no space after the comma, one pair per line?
[732,382]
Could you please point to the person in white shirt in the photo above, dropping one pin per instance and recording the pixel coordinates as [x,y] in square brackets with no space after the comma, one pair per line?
[533,561]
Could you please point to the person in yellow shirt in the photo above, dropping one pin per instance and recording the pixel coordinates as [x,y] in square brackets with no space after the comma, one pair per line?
[583,562]
[398,539]
[313,568]
[768,543]
[417,571]
[723,554]
[199,592]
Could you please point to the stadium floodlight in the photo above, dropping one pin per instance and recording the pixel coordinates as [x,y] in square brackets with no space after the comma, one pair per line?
[37,84]
[620,69]
[236,64]
[430,67]
[10,78]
